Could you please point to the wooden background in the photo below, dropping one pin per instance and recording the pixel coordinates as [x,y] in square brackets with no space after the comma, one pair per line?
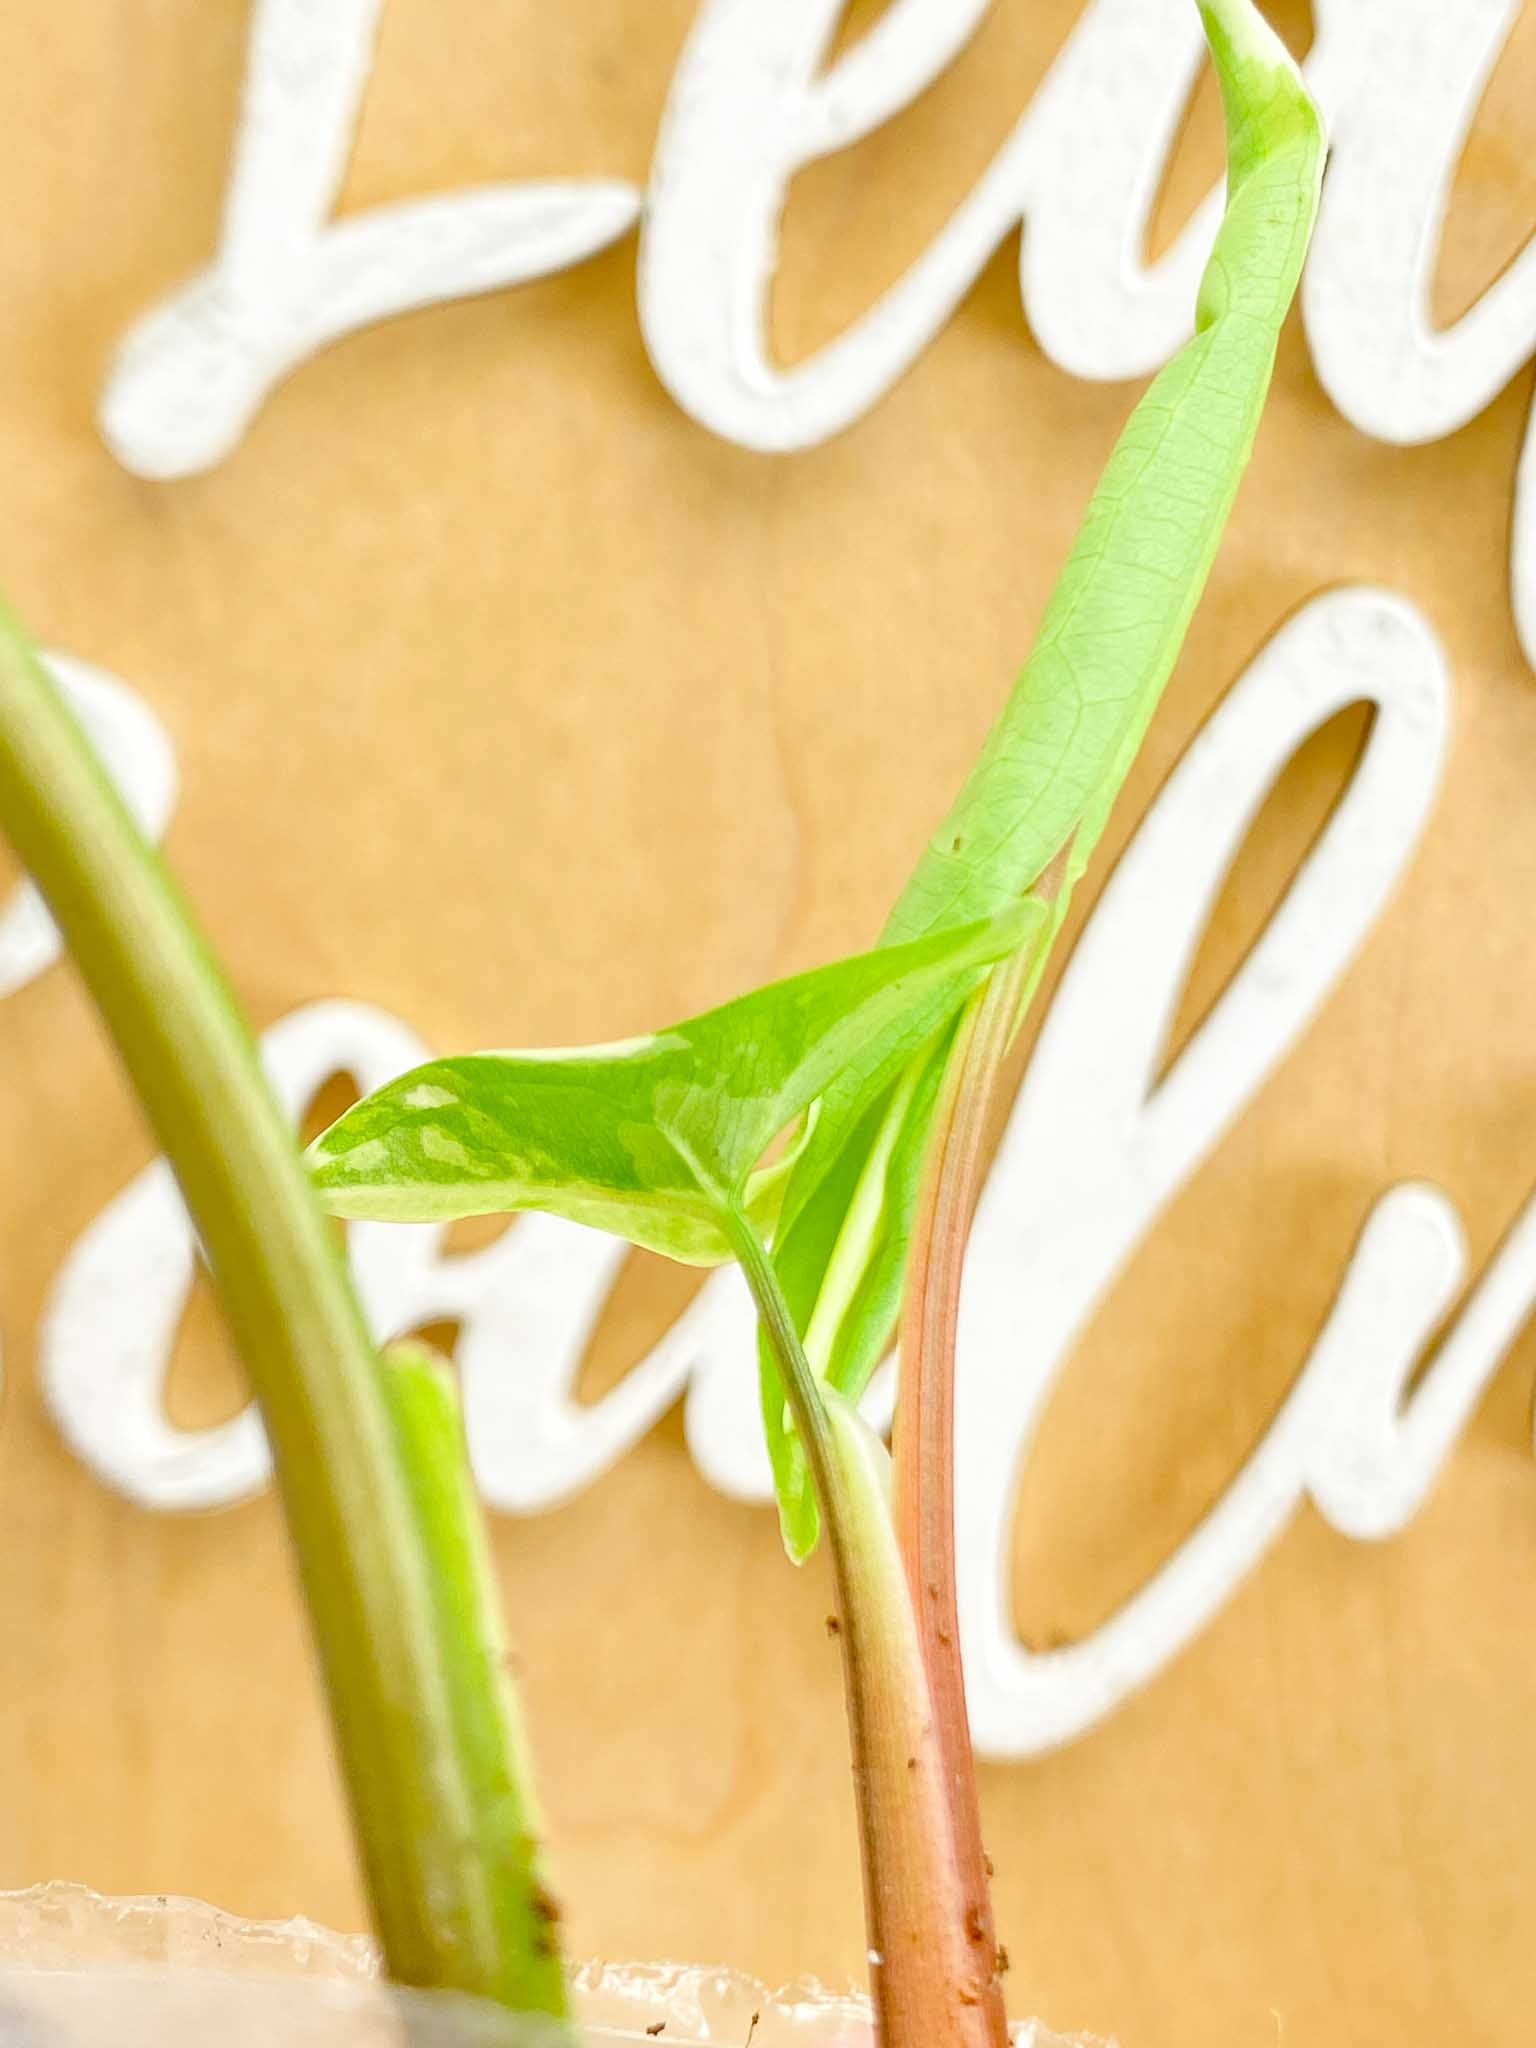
[509,699]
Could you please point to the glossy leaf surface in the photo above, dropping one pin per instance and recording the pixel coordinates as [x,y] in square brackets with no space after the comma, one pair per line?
[657,1138]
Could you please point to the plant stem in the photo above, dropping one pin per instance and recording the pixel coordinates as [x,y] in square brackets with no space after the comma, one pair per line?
[472,1649]
[924,1440]
[932,1959]
[426,1785]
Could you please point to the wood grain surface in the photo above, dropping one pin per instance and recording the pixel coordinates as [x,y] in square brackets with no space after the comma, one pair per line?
[509,699]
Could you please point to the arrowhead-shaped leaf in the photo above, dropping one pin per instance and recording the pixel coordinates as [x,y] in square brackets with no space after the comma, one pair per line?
[656,1139]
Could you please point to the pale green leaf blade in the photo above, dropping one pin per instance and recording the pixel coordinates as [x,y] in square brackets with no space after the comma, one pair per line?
[835,1036]
[485,1134]
[654,1137]
[1115,623]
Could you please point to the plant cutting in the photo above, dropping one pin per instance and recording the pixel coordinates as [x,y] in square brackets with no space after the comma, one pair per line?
[825,1132]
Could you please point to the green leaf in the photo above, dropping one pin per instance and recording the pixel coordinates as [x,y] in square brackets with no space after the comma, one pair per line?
[1117,618]
[1041,793]
[655,1139]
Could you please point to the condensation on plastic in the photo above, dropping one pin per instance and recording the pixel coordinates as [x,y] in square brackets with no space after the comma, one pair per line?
[81,1971]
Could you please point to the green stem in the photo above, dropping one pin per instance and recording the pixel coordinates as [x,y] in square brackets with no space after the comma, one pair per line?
[416,1777]
[474,1656]
[932,1960]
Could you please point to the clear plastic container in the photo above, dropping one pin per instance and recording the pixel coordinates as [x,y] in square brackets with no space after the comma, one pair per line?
[81,1971]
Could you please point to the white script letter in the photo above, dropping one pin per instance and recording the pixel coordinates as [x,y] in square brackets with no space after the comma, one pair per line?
[191,375]
[1409,76]
[748,110]
[1096,1148]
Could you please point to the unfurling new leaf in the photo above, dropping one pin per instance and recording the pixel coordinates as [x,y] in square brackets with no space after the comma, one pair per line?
[1041,793]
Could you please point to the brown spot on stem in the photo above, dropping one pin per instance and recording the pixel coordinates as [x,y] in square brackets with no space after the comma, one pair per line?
[834,1626]
[975,1924]
[546,1913]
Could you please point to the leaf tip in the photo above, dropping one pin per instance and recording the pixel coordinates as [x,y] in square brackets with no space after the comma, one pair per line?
[1240,31]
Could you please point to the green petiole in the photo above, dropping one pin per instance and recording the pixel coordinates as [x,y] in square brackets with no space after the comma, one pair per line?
[421,1732]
